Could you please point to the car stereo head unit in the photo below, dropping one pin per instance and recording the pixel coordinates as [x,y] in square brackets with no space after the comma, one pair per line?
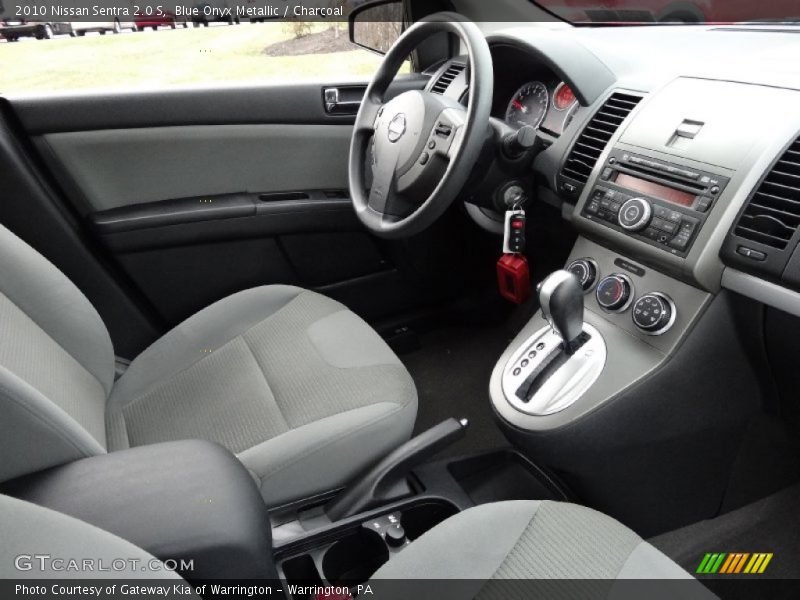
[654,201]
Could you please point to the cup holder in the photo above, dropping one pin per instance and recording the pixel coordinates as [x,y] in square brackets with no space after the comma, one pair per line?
[424,517]
[355,558]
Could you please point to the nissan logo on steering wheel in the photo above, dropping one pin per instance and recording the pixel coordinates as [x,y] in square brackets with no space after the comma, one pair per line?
[397,127]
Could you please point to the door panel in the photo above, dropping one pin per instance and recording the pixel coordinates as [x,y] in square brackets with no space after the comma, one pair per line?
[120,167]
[197,194]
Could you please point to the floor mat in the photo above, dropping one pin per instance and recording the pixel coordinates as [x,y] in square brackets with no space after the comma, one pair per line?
[452,371]
[769,525]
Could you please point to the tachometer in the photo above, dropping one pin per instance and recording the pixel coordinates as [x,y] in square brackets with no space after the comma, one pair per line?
[529,105]
[563,97]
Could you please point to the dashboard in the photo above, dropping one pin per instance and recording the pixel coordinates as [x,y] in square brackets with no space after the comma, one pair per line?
[653,149]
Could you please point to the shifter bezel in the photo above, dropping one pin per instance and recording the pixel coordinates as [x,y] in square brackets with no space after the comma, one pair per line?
[564,386]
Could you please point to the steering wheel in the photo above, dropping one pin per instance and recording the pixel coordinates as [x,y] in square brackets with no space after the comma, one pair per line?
[410,157]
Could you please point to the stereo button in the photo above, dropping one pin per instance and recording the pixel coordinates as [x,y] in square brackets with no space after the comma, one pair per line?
[635,214]
[704,203]
[680,242]
[667,226]
[687,226]
[661,212]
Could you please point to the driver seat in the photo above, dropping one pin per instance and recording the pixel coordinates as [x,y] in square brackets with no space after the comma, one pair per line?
[302,390]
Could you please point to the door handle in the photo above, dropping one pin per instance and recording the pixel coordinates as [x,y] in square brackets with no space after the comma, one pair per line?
[335,104]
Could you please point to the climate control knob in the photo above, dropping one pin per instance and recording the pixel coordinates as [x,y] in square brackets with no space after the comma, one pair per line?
[654,313]
[585,269]
[635,214]
[614,293]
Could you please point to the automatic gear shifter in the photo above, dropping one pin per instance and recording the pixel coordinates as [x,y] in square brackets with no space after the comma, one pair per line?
[561,299]
[558,363]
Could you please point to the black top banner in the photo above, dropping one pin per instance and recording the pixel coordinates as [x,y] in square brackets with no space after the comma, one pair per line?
[578,12]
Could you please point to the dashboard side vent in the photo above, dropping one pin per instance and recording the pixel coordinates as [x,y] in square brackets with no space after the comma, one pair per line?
[446,78]
[772,215]
[596,135]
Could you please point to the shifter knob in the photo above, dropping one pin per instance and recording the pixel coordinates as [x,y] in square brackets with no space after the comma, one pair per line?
[561,299]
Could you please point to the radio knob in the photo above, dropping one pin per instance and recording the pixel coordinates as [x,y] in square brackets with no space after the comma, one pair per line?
[654,313]
[614,293]
[635,214]
[585,269]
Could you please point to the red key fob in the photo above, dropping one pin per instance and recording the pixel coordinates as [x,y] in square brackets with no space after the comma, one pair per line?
[514,278]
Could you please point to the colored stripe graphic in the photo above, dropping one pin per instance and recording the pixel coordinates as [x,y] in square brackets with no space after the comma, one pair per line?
[711,563]
[759,562]
[738,564]
[734,563]
[727,564]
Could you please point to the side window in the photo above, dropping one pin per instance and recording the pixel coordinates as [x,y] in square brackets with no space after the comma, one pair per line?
[203,43]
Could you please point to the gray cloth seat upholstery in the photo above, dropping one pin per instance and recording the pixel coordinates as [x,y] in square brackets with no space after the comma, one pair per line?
[489,552]
[300,388]
[482,551]
[30,531]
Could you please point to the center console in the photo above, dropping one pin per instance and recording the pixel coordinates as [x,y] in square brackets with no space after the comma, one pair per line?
[314,552]
[670,173]
[662,184]
[636,318]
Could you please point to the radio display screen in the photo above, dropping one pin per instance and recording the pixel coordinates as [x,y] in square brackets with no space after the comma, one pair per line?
[654,189]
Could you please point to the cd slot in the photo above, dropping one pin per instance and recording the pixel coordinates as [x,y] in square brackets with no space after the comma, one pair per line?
[661,177]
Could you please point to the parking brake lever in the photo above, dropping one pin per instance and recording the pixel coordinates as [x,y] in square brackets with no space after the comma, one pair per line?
[387,480]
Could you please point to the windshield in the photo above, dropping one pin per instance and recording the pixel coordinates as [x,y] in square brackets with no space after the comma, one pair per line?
[619,12]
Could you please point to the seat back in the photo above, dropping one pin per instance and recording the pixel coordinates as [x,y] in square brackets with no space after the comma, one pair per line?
[56,365]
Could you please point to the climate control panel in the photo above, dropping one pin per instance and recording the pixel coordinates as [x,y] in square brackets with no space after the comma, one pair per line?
[652,313]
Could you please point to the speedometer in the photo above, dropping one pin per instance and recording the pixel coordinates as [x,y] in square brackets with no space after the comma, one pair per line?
[529,105]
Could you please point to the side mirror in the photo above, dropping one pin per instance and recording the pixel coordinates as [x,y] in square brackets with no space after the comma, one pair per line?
[376,25]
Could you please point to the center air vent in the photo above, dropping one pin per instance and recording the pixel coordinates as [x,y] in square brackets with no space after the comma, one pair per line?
[446,78]
[772,215]
[595,137]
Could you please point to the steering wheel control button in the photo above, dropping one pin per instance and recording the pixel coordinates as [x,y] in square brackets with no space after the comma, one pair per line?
[443,130]
[614,293]
[424,158]
[585,269]
[635,214]
[654,313]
